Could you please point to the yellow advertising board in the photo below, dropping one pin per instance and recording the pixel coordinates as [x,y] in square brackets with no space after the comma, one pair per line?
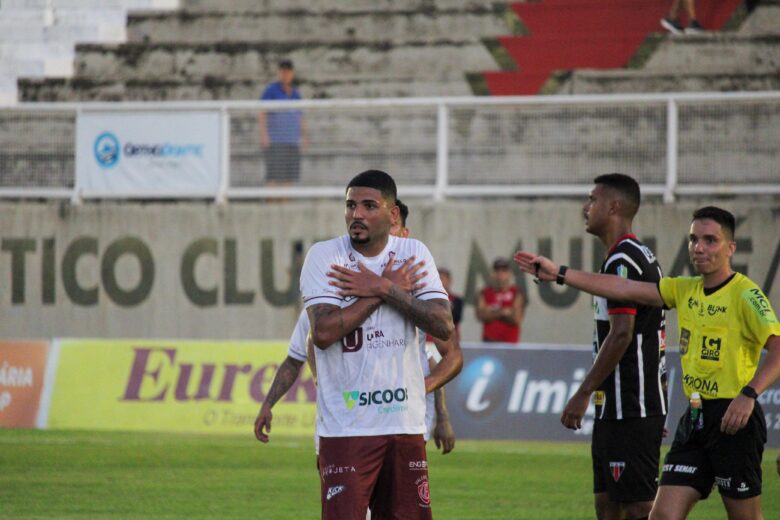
[176,386]
[22,370]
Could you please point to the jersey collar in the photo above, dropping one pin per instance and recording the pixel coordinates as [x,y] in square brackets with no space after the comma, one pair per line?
[619,240]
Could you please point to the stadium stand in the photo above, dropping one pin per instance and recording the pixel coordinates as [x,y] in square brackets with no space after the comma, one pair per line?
[566,35]
[747,59]
[215,50]
[38,36]
[229,50]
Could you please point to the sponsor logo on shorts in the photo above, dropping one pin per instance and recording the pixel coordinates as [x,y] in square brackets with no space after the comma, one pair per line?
[418,465]
[743,487]
[617,468]
[423,492]
[334,490]
[332,469]
[680,468]
[723,483]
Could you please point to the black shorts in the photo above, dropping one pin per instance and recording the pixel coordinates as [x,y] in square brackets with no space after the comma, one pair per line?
[701,458]
[625,457]
[282,163]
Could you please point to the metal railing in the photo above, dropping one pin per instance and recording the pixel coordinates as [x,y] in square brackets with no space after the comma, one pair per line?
[673,144]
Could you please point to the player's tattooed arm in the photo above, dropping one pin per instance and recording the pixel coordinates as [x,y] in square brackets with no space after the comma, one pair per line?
[432,316]
[330,323]
[283,380]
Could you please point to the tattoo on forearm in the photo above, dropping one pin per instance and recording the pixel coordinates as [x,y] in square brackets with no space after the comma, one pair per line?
[283,381]
[432,316]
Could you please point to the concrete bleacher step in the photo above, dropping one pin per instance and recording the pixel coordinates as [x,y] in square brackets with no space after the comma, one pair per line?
[314,61]
[332,6]
[38,36]
[764,20]
[646,81]
[715,52]
[375,26]
[214,88]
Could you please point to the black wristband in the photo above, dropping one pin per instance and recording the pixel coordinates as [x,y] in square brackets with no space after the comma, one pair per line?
[561,274]
[749,391]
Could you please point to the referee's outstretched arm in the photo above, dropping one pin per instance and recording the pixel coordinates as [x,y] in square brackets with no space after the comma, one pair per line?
[608,286]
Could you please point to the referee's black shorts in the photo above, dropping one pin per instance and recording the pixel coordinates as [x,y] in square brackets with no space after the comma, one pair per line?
[625,455]
[701,458]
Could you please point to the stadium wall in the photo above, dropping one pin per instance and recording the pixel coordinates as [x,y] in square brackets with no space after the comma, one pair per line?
[197,270]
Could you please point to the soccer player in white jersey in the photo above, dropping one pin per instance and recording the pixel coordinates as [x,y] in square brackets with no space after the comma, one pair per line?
[437,422]
[371,389]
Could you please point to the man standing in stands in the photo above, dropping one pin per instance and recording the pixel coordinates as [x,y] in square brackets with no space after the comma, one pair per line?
[282,132]
[501,306]
[628,376]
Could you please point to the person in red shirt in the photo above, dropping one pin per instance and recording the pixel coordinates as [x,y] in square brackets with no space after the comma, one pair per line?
[501,306]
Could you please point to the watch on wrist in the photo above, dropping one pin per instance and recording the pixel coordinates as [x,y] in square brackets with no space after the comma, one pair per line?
[749,391]
[561,274]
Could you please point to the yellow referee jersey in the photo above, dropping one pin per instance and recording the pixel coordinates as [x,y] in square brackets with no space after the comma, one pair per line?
[721,333]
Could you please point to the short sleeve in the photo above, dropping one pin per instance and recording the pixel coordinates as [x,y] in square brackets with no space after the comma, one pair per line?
[267,93]
[621,264]
[432,288]
[314,278]
[299,338]
[759,318]
[457,310]
[667,288]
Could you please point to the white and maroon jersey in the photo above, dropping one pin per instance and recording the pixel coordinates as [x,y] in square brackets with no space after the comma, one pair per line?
[430,399]
[371,382]
[298,341]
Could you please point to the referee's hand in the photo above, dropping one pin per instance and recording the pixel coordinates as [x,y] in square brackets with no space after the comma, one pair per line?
[737,414]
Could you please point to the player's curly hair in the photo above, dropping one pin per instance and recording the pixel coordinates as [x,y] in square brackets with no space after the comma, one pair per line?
[378,180]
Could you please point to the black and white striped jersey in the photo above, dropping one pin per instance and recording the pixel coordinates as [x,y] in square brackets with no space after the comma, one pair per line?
[637,386]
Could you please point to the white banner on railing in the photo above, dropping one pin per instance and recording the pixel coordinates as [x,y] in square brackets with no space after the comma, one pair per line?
[148,154]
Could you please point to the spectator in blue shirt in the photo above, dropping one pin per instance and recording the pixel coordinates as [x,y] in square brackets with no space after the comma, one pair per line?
[282,132]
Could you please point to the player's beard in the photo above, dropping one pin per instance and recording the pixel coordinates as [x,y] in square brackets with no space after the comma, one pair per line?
[359,241]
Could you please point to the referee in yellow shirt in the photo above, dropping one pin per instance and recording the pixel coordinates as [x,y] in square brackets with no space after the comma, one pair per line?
[725,320]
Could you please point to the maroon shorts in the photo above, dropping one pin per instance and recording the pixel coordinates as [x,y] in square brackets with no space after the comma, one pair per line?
[388,473]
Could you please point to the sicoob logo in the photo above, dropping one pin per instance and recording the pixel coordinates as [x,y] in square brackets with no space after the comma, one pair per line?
[353,397]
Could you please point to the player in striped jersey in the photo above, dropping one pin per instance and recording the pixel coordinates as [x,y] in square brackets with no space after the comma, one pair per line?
[628,376]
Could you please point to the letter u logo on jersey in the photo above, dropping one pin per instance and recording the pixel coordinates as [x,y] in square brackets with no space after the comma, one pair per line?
[353,341]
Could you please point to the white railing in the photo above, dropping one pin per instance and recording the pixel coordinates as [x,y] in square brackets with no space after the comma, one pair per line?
[674,144]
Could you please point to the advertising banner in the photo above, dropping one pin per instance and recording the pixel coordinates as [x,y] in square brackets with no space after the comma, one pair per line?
[22,371]
[520,392]
[175,386]
[148,154]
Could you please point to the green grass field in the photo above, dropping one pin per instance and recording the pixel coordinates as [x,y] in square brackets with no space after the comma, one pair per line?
[51,474]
